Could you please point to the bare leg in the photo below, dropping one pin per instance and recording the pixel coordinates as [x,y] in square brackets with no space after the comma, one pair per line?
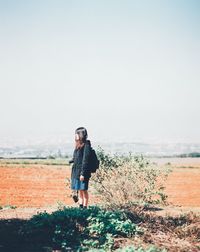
[81,197]
[85,198]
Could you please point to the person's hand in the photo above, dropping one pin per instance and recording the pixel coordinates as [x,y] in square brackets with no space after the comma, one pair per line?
[81,178]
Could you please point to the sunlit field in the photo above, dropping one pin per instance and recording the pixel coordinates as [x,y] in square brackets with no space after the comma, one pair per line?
[30,187]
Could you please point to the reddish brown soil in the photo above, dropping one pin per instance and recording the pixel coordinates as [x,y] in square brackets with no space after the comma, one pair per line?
[45,185]
[183,187]
[34,185]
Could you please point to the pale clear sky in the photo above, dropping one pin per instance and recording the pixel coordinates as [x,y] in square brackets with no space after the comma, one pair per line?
[126,70]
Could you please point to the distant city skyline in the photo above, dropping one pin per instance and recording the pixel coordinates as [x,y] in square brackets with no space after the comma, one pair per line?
[126,70]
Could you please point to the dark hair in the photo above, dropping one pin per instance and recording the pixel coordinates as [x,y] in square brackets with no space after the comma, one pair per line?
[82,132]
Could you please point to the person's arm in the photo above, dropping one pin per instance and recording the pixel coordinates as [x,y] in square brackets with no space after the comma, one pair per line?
[85,162]
[72,160]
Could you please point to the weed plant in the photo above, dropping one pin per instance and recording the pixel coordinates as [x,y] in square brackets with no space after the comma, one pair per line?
[124,180]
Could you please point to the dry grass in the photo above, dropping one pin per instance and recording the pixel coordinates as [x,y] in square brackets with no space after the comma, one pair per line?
[134,180]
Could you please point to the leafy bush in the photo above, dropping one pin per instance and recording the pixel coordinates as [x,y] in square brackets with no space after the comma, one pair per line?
[108,224]
[80,229]
[123,180]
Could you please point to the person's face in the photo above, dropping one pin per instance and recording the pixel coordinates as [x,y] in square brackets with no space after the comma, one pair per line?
[77,137]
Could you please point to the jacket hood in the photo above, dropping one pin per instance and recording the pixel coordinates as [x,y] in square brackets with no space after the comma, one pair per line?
[88,142]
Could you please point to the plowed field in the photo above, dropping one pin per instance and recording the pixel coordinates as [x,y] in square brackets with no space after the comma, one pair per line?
[45,185]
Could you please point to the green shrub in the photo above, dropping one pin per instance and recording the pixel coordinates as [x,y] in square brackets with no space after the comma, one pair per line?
[108,224]
[80,229]
[123,180]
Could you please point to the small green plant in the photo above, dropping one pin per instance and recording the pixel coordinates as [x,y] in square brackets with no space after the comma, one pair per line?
[9,207]
[107,225]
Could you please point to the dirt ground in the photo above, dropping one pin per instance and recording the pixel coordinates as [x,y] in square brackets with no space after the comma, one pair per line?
[34,185]
[35,188]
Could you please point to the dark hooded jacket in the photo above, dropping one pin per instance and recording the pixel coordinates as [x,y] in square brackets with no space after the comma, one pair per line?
[81,161]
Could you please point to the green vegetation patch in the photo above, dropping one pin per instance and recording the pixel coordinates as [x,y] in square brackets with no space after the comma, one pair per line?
[80,229]
[98,229]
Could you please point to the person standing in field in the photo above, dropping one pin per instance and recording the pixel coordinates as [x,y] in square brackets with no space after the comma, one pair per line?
[80,173]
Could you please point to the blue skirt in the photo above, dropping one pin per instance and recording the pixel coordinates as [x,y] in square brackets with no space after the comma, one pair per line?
[76,184]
